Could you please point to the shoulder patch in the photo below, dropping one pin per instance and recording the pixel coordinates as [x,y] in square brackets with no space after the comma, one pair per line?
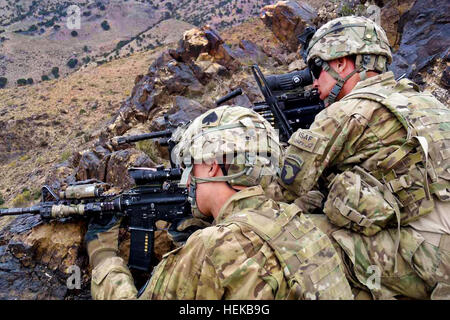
[305,140]
[292,166]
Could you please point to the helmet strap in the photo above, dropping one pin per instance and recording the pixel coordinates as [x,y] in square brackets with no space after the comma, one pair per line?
[339,84]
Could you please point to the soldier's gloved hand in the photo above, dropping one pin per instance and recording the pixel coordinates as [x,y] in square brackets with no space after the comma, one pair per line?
[180,231]
[102,238]
[310,201]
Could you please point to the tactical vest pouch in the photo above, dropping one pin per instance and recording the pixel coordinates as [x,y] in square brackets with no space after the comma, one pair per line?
[310,263]
[420,167]
[357,204]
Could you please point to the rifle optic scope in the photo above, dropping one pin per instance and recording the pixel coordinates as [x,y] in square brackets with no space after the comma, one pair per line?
[145,175]
[289,81]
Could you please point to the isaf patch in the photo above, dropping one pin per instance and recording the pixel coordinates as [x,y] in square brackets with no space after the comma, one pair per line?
[304,140]
[291,168]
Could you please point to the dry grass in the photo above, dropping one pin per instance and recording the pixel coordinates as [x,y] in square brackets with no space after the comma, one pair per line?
[51,111]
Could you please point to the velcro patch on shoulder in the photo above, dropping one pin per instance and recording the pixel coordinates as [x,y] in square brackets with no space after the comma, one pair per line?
[291,167]
[308,141]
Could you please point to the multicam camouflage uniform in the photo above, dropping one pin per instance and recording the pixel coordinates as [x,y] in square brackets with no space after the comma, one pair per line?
[372,147]
[231,261]
[257,248]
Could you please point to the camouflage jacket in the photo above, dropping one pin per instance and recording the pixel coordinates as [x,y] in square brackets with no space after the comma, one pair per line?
[344,134]
[231,261]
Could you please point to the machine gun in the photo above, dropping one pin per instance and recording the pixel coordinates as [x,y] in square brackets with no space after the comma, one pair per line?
[287,106]
[157,196]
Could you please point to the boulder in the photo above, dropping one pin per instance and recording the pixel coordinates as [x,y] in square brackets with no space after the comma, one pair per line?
[424,37]
[118,163]
[36,259]
[390,17]
[297,64]
[287,20]
[92,166]
[178,78]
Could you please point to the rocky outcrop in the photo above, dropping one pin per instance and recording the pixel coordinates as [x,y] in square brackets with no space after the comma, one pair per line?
[391,13]
[287,20]
[424,37]
[36,257]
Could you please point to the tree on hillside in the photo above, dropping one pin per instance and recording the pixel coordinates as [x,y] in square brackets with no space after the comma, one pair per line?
[105,25]
[45,77]
[55,72]
[74,33]
[3,82]
[32,28]
[30,81]
[72,63]
[21,82]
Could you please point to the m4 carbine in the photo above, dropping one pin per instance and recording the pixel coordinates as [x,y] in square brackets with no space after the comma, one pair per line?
[157,196]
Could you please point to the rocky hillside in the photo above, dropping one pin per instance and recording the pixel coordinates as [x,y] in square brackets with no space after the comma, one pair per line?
[38,42]
[58,132]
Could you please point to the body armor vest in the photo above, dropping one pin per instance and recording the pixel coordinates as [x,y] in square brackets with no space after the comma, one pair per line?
[420,167]
[310,264]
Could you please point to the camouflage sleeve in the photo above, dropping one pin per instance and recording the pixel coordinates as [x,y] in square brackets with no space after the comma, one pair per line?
[112,280]
[185,273]
[333,138]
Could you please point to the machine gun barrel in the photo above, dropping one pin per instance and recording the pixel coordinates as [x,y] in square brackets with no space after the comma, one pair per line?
[229,96]
[151,135]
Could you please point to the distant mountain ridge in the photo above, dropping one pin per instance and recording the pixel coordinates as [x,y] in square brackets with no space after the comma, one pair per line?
[35,38]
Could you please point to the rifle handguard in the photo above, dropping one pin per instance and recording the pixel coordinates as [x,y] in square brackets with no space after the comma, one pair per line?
[63,211]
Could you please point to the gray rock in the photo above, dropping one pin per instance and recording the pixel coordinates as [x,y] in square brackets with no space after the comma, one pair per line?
[425,37]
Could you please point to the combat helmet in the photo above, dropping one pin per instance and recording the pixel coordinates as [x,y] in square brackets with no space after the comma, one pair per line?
[243,143]
[348,36]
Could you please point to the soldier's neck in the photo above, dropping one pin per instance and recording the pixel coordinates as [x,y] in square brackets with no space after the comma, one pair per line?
[352,81]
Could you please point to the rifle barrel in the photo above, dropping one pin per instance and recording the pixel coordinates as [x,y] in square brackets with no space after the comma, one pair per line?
[16,211]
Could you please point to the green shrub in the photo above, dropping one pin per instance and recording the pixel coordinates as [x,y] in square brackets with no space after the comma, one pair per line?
[72,63]
[121,43]
[3,82]
[30,81]
[66,155]
[74,33]
[2,201]
[32,28]
[22,199]
[105,25]
[346,11]
[45,77]
[21,82]
[55,71]
[36,193]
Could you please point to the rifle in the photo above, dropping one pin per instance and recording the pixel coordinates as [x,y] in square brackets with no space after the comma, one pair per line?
[157,196]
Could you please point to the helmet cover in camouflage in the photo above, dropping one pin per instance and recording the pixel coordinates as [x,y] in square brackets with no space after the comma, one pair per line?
[351,35]
[231,135]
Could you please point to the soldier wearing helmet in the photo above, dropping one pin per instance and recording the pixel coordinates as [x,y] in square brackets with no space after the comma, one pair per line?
[379,150]
[256,248]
